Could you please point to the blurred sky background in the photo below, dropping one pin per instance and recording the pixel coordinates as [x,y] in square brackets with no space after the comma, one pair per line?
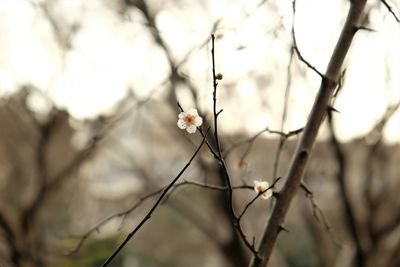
[107,54]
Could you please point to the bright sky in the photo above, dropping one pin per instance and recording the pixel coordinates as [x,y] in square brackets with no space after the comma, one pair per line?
[110,55]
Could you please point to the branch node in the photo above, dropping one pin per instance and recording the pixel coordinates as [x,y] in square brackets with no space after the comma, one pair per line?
[304,153]
[331,109]
[282,228]
[364,28]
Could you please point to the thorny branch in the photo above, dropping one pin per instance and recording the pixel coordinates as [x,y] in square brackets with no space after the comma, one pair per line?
[305,144]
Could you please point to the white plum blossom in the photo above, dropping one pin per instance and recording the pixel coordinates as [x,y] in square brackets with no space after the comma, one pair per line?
[189,120]
[260,186]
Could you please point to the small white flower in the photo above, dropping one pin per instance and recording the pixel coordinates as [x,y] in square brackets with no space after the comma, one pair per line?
[189,120]
[260,186]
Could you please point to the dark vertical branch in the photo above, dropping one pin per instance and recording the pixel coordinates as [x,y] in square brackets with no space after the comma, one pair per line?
[305,144]
[217,142]
[223,173]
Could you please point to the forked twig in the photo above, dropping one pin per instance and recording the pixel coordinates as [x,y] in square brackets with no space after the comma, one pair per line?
[150,212]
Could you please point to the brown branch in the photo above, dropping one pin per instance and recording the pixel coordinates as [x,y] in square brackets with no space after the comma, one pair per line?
[305,144]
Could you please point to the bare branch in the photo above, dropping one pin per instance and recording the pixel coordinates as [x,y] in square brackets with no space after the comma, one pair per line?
[236,221]
[305,144]
[296,48]
[250,141]
[150,212]
[123,214]
[318,214]
[390,9]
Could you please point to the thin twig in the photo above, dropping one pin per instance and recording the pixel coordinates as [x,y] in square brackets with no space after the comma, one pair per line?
[236,221]
[216,136]
[250,141]
[296,48]
[150,212]
[283,138]
[318,214]
[390,9]
[96,228]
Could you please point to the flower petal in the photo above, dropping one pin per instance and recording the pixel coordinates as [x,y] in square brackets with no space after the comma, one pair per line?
[267,194]
[191,129]
[256,185]
[264,184]
[192,112]
[181,115]
[181,124]
[260,186]
[198,121]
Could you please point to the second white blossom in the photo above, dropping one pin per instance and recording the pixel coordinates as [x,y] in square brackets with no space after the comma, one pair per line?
[260,187]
